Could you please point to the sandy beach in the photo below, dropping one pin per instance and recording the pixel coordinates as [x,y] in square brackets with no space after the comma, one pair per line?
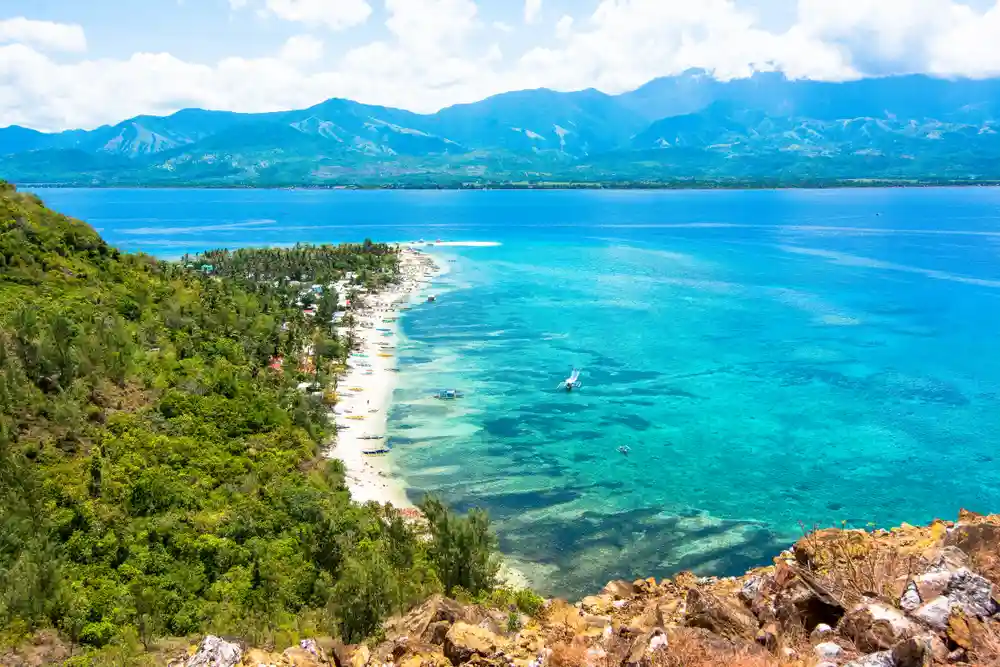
[365,391]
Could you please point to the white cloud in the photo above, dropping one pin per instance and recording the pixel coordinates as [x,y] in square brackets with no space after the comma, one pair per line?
[532,8]
[334,14]
[503,27]
[564,27]
[302,49]
[237,4]
[432,53]
[44,35]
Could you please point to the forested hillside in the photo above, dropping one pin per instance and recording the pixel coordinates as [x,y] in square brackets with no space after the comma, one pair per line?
[159,478]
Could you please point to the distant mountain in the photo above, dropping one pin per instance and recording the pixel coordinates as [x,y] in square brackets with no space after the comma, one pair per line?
[691,127]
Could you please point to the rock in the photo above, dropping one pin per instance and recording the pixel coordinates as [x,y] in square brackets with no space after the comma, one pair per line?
[826,664]
[910,600]
[932,584]
[820,633]
[873,626]
[720,615]
[958,655]
[618,590]
[964,590]
[880,659]
[216,652]
[972,593]
[802,600]
[597,604]
[424,659]
[361,657]
[420,623]
[913,652]
[974,538]
[828,651]
[642,648]
[312,648]
[767,637]
[296,656]
[964,630]
[752,588]
[465,641]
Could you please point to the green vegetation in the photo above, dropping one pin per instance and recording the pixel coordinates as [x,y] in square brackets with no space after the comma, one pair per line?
[158,477]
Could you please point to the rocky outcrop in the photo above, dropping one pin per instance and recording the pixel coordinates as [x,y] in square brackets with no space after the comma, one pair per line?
[216,652]
[909,597]
[464,642]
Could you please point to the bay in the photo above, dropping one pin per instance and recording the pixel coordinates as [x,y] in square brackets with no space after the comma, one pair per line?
[773,359]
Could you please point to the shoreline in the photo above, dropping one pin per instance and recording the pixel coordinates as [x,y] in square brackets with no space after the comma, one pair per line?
[364,391]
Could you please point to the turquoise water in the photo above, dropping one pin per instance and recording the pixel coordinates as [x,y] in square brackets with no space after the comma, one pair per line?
[769,357]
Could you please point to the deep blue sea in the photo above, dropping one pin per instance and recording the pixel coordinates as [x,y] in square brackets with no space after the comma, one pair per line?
[770,357]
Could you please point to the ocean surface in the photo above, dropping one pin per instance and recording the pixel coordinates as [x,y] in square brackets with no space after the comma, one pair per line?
[773,360]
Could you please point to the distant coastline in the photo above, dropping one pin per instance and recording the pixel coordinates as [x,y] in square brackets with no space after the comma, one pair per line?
[549,186]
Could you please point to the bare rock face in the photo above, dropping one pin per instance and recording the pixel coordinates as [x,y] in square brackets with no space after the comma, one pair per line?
[464,642]
[216,652]
[873,626]
[723,616]
[828,651]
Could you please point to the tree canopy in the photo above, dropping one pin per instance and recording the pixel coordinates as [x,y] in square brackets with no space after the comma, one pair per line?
[158,476]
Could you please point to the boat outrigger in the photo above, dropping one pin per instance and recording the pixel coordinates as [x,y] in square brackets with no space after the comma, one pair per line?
[572,382]
[449,394]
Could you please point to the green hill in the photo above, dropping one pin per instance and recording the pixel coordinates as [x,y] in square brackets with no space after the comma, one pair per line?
[158,478]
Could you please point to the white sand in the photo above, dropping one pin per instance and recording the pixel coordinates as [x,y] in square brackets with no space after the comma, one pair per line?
[370,477]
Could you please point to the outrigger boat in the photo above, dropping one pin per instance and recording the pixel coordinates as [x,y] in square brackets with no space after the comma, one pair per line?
[572,382]
[449,394]
[385,354]
[371,437]
[356,388]
[624,450]
[381,451]
[356,418]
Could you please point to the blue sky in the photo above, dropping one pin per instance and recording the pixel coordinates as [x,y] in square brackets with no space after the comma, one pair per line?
[81,63]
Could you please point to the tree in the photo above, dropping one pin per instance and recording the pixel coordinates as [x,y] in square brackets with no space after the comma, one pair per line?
[463,550]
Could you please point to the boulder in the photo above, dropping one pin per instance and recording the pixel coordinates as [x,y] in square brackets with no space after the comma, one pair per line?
[974,538]
[722,616]
[873,626]
[828,651]
[424,659]
[964,590]
[216,652]
[880,659]
[618,590]
[420,623]
[361,657]
[914,652]
[644,646]
[910,599]
[296,656]
[821,633]
[464,642]
[597,604]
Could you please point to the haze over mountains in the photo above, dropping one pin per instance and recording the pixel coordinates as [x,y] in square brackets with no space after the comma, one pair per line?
[691,127]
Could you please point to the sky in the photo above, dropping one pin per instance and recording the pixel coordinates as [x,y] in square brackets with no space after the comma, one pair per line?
[83,63]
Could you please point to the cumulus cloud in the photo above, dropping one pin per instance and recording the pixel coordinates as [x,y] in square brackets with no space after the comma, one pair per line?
[44,35]
[333,14]
[432,53]
[532,8]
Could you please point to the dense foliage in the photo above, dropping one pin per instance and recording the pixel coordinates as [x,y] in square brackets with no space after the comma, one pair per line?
[158,477]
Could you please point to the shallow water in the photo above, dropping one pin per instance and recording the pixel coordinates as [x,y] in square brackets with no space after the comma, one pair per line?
[769,357]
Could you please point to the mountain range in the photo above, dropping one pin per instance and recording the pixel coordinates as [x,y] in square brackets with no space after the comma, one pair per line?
[689,128]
